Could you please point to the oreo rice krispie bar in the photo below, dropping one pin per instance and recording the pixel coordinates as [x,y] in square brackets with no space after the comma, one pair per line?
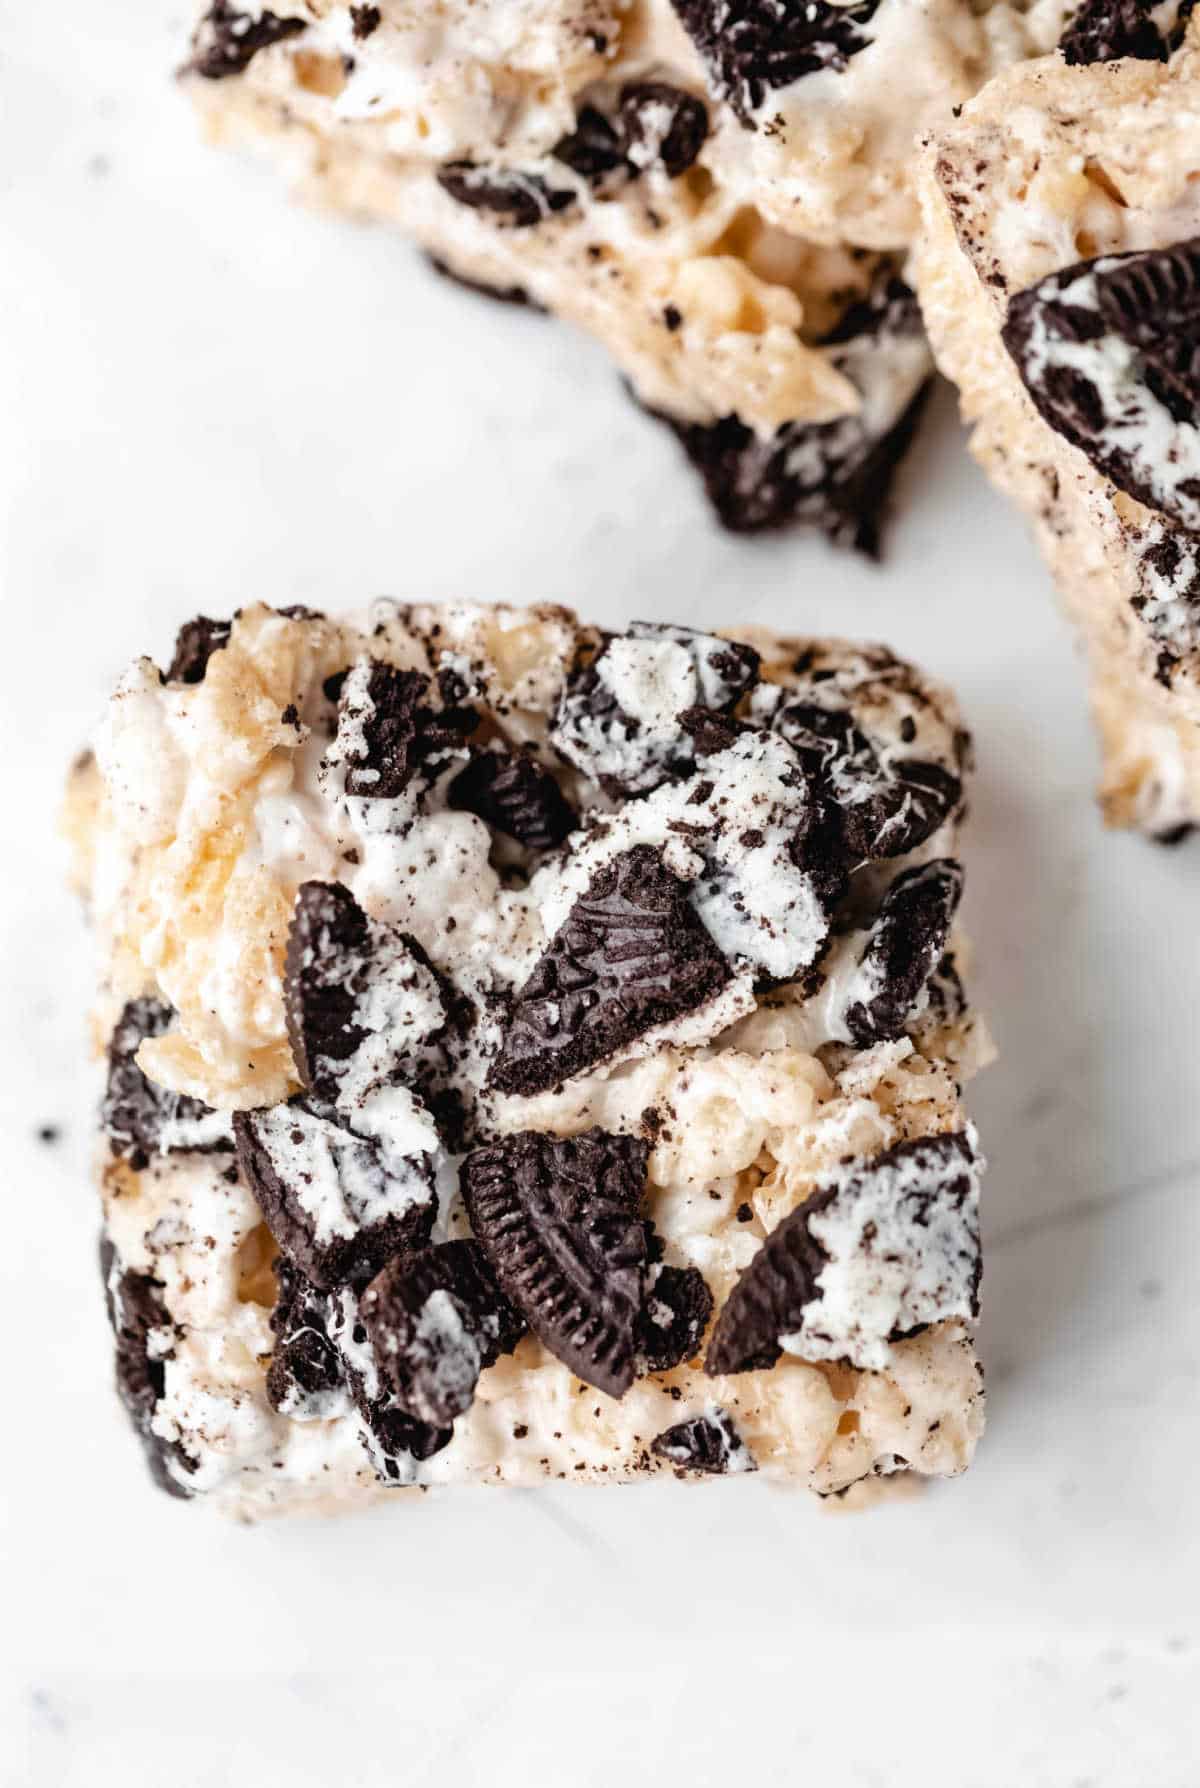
[720,192]
[531,1053]
[1060,278]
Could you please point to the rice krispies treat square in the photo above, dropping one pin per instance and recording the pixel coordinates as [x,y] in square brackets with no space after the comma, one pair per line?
[1060,166]
[531,1053]
[721,195]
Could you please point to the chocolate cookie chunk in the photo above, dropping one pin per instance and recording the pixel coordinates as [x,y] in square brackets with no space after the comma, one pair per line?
[886,803]
[388,730]
[227,40]
[141,1118]
[836,476]
[753,47]
[323,970]
[662,125]
[195,644]
[333,1200]
[882,1248]
[436,1319]
[511,197]
[655,125]
[360,998]
[144,1336]
[1109,352]
[631,955]
[514,794]
[394,1441]
[558,1219]
[593,149]
[905,946]
[708,1443]
[674,1317]
[305,1380]
[1106,30]
[516,295]
[619,715]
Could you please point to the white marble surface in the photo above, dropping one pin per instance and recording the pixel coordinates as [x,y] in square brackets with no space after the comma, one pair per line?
[208,396]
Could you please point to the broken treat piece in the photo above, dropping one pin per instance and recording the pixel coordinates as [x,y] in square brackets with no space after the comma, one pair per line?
[708,1443]
[837,475]
[1060,278]
[436,1318]
[879,1249]
[529,1064]
[713,190]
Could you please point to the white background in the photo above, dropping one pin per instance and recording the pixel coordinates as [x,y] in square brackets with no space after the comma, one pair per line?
[209,396]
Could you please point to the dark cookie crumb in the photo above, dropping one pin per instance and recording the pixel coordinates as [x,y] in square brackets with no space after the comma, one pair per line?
[364,20]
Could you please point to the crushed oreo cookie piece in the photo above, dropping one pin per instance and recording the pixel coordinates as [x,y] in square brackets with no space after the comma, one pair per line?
[1107,30]
[144,1335]
[328,944]
[631,955]
[389,728]
[753,47]
[364,21]
[880,1249]
[884,802]
[305,1380]
[675,1314]
[514,794]
[559,1220]
[511,197]
[516,295]
[1109,352]
[395,1441]
[906,944]
[141,1118]
[1167,597]
[661,125]
[836,476]
[338,1203]
[195,644]
[227,39]
[360,997]
[618,717]
[707,1443]
[436,1319]
[593,149]
[656,125]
